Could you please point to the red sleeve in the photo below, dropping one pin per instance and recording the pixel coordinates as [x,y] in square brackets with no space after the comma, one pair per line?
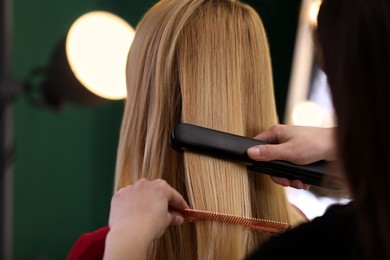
[89,246]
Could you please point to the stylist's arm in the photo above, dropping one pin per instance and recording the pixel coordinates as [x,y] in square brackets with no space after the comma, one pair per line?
[140,214]
[296,144]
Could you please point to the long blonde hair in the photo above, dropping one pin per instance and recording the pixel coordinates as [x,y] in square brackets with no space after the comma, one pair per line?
[204,62]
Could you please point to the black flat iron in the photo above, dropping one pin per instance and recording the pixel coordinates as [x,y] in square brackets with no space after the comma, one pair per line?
[234,147]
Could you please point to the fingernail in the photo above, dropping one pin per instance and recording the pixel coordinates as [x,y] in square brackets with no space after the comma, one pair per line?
[178,220]
[254,152]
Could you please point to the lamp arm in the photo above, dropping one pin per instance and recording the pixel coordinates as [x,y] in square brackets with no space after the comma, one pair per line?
[6,138]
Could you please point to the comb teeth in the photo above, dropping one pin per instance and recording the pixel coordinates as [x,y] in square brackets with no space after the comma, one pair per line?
[262,225]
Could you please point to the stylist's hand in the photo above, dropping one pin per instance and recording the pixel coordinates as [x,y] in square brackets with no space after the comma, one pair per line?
[296,144]
[140,214]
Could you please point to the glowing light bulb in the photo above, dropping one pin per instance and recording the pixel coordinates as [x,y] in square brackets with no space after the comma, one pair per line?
[308,114]
[97,45]
[313,12]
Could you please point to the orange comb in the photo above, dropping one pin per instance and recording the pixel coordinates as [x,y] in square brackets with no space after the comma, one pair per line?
[257,224]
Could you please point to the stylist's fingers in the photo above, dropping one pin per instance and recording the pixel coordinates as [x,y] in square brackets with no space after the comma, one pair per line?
[269,152]
[272,135]
[175,201]
[276,150]
[282,181]
[176,218]
[290,183]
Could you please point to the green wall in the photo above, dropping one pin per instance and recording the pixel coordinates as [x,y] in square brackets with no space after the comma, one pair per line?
[280,18]
[64,164]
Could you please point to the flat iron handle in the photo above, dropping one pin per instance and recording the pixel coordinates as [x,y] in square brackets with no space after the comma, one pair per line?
[234,147]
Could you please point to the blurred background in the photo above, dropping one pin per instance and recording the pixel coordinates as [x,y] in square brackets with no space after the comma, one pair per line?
[59,156]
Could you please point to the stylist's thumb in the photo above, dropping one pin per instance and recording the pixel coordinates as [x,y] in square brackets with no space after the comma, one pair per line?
[265,152]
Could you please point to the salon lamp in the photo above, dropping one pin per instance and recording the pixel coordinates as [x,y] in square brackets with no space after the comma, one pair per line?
[87,67]
[308,99]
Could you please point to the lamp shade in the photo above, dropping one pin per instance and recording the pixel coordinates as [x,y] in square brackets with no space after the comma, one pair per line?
[88,66]
[97,45]
[61,86]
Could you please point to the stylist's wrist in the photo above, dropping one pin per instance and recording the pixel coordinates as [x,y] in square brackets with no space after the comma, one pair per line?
[139,227]
[127,239]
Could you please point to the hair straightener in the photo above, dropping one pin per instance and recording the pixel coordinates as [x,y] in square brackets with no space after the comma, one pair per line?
[234,147]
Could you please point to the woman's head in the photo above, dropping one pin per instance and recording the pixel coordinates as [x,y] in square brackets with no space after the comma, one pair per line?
[355,38]
[203,62]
